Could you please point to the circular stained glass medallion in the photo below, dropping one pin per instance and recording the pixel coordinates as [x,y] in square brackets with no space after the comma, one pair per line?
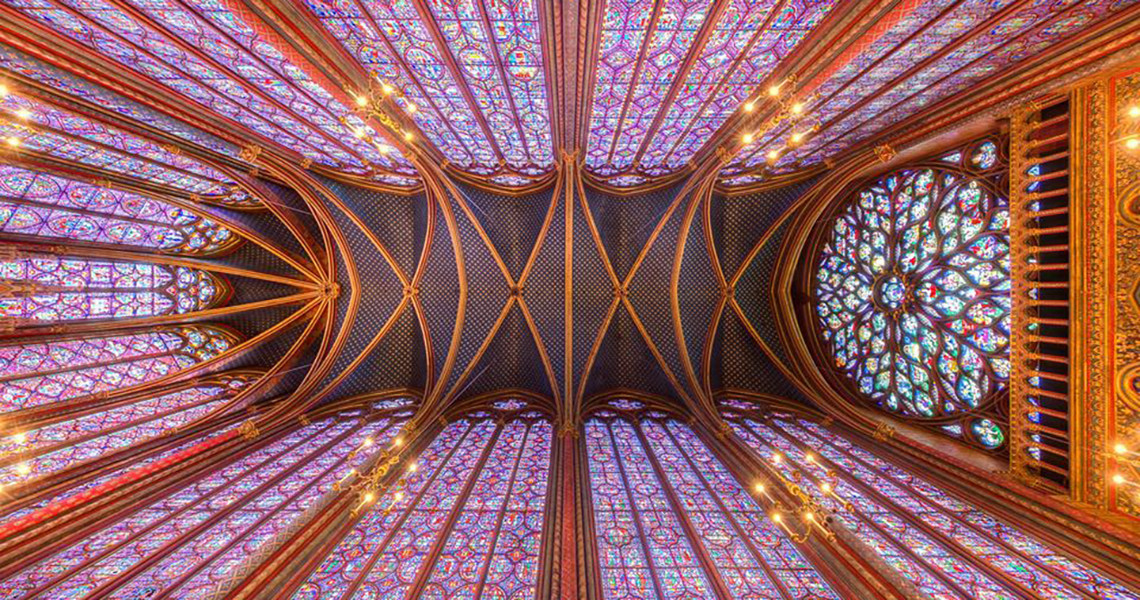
[912,295]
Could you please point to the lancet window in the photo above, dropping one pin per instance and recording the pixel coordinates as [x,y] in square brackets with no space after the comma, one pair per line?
[468,520]
[671,521]
[37,204]
[183,542]
[94,431]
[34,374]
[51,288]
[942,545]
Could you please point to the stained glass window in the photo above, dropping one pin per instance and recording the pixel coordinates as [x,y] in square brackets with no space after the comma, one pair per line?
[469,520]
[65,442]
[47,124]
[938,49]
[210,59]
[37,373]
[945,547]
[670,521]
[43,205]
[14,61]
[494,45]
[648,51]
[190,537]
[84,482]
[51,288]
[912,294]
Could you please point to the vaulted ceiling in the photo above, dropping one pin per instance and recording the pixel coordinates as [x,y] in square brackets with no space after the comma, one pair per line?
[558,198]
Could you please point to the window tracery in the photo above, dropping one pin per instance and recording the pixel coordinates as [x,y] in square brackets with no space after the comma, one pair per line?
[670,521]
[912,293]
[50,288]
[34,374]
[44,205]
[468,520]
[944,546]
[186,540]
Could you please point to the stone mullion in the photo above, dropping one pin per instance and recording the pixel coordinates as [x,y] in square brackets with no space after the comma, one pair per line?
[444,532]
[109,587]
[698,545]
[205,499]
[649,562]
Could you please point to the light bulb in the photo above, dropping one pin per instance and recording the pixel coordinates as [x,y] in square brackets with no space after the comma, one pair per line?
[1118,479]
[826,487]
[1120,449]
[412,107]
[409,136]
[798,108]
[1132,143]
[777,517]
[774,91]
[387,88]
[809,517]
[1134,111]
[360,132]
[746,138]
[20,438]
[13,142]
[23,469]
[3,90]
[399,496]
[777,457]
[412,468]
[760,488]
[749,107]
[399,441]
[23,114]
[773,155]
[367,442]
[797,137]
[369,497]
[362,101]
[810,457]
